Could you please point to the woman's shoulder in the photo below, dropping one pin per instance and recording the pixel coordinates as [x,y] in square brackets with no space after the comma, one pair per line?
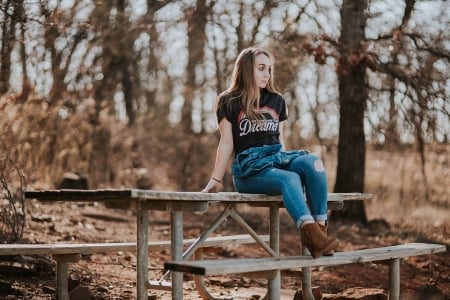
[228,97]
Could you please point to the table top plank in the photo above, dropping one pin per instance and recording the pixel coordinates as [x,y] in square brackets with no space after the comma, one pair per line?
[231,196]
[170,200]
[142,195]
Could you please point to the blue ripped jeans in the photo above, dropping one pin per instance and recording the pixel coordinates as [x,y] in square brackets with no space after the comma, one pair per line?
[293,174]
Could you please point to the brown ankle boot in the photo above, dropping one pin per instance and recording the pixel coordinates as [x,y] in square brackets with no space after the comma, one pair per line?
[324,229]
[316,241]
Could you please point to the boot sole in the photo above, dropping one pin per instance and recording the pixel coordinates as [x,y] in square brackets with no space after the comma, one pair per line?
[326,250]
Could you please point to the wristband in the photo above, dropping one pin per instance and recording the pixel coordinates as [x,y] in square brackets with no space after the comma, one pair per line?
[217,180]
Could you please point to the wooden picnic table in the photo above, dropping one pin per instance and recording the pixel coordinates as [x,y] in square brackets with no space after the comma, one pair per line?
[176,203]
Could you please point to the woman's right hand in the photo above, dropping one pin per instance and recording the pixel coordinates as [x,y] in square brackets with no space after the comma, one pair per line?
[213,186]
[223,156]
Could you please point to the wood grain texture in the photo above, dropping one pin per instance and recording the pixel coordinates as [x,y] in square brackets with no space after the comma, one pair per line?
[335,200]
[246,265]
[67,248]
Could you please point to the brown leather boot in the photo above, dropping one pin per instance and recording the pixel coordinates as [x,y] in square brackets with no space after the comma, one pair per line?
[316,241]
[324,229]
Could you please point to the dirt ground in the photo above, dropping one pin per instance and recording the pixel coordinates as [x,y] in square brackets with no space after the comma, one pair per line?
[112,275]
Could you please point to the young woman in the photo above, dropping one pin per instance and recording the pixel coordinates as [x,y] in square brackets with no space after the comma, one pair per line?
[250,114]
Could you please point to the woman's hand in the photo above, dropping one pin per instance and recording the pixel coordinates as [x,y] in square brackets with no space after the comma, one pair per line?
[223,156]
[213,186]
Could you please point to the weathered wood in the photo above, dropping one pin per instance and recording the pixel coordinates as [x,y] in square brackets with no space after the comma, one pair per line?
[62,274]
[176,251]
[83,248]
[144,200]
[65,253]
[307,292]
[334,200]
[274,281]
[179,201]
[165,205]
[245,265]
[142,253]
[394,279]
[79,195]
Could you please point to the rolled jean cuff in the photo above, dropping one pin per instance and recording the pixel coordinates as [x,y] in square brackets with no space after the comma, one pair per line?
[321,217]
[303,219]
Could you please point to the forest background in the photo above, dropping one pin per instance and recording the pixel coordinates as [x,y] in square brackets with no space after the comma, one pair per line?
[123,92]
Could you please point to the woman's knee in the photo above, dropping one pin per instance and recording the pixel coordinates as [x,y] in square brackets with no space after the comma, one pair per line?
[309,162]
[317,163]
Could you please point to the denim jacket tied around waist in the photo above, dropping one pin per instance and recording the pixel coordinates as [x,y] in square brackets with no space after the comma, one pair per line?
[256,159]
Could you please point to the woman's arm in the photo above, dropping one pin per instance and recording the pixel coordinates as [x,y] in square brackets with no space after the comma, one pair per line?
[223,156]
[281,128]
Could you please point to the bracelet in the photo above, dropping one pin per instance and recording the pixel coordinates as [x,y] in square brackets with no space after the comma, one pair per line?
[216,179]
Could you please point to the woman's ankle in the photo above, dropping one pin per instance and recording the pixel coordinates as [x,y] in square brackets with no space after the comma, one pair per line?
[306,222]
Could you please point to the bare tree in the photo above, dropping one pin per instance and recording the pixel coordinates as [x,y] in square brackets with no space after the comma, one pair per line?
[150,20]
[247,36]
[26,85]
[113,50]
[412,64]
[196,18]
[12,212]
[57,27]
[352,99]
[116,40]
[11,16]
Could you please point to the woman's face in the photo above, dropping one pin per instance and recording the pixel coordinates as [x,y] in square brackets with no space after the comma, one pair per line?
[263,69]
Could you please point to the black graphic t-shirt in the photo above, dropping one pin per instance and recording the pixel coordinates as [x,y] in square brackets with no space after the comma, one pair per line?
[253,133]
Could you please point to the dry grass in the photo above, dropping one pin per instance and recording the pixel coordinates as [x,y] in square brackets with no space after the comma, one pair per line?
[402,193]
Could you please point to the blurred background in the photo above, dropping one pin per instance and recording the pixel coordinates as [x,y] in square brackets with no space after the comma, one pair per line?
[122,93]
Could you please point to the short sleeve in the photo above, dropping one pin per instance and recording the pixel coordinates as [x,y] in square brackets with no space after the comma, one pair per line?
[222,110]
[283,110]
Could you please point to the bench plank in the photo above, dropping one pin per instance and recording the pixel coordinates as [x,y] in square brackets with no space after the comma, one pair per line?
[64,253]
[249,265]
[86,248]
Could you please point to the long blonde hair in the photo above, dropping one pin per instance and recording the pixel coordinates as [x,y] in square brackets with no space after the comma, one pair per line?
[243,86]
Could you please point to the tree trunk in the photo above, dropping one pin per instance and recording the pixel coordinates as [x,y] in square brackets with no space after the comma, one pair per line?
[196,22]
[26,86]
[154,65]
[8,39]
[352,99]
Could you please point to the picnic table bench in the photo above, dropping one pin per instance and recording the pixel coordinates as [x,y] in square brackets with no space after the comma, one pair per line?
[65,253]
[393,254]
[178,202]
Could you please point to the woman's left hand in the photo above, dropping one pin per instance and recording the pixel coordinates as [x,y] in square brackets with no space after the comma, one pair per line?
[213,186]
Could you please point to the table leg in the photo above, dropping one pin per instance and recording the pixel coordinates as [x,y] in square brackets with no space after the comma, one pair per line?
[62,274]
[177,252]
[142,253]
[274,286]
[394,279]
[236,217]
[306,278]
